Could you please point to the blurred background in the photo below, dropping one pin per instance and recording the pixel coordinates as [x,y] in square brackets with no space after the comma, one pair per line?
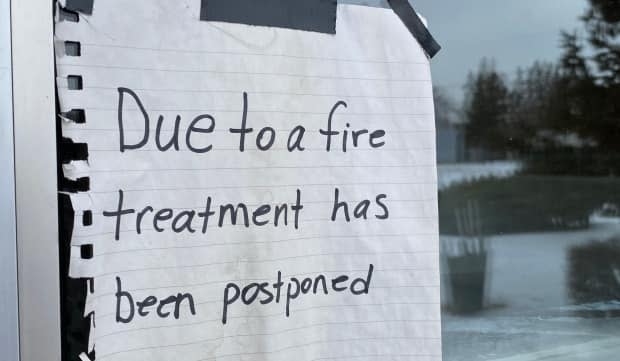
[528,144]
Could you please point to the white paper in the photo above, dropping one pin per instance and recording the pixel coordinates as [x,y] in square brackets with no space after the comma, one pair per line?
[178,65]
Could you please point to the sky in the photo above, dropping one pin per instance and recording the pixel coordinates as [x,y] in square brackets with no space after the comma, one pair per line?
[515,33]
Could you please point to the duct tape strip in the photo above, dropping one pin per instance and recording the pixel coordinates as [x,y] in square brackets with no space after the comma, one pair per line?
[416,27]
[74,214]
[70,151]
[75,327]
[309,15]
[79,6]
[81,184]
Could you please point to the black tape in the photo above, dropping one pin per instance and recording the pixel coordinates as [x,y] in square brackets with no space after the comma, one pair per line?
[371,3]
[76,115]
[68,15]
[309,15]
[68,151]
[74,186]
[87,218]
[416,27]
[86,251]
[74,327]
[75,82]
[73,48]
[80,6]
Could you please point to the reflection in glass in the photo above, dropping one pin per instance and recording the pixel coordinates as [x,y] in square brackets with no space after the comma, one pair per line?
[529,202]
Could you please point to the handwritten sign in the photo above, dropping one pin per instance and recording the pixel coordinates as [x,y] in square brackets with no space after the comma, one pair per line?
[256,193]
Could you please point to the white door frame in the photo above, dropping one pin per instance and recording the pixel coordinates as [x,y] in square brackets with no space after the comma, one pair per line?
[36,202]
[9,331]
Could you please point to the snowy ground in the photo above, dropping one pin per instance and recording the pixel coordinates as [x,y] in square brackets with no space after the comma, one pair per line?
[451,174]
[529,315]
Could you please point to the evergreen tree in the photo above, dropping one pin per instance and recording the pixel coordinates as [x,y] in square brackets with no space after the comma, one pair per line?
[602,21]
[603,25]
[486,109]
[534,99]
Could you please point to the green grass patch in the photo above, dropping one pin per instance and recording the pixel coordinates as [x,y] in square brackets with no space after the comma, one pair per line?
[527,203]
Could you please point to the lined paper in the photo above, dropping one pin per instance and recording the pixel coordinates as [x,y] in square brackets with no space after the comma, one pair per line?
[181,67]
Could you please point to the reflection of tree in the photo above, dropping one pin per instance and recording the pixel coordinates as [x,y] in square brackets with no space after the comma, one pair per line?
[486,108]
[533,101]
[603,25]
[590,95]
[593,271]
[563,117]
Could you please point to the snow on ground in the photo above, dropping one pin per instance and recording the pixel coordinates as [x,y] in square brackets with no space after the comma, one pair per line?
[530,315]
[451,174]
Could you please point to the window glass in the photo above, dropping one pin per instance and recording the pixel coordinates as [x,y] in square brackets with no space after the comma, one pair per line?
[528,129]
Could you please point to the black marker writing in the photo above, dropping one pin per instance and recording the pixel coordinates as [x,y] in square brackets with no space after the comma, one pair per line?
[188,220]
[267,292]
[171,304]
[161,144]
[361,208]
